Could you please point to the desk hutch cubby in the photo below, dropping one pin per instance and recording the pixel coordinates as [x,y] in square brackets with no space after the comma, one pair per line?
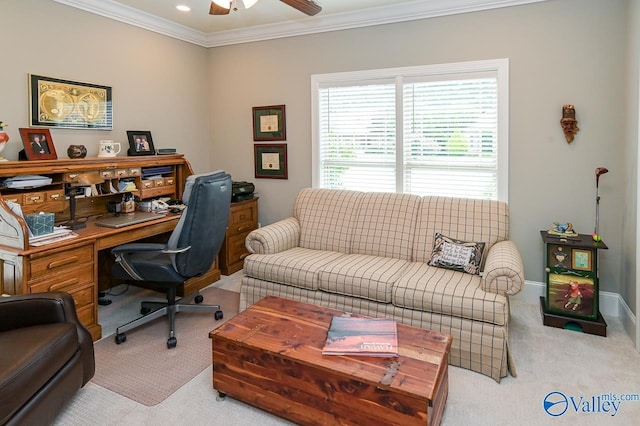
[78,265]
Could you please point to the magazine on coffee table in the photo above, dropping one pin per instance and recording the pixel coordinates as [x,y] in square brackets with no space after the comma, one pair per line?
[362,336]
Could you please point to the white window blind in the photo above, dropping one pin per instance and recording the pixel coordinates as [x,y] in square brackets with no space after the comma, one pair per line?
[358,133]
[434,130]
[450,138]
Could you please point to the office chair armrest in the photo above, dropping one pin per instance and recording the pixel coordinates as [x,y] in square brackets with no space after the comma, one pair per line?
[138,247]
[176,250]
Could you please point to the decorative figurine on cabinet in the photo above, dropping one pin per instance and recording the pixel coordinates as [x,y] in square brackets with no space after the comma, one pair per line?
[562,230]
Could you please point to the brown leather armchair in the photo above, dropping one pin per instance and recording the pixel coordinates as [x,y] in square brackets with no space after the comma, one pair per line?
[46,356]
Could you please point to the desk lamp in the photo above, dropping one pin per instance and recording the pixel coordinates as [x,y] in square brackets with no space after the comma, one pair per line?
[84,179]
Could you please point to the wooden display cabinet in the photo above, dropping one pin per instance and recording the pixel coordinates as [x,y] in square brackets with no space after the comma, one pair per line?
[572,288]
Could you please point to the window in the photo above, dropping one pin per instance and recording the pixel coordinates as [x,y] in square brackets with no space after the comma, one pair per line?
[430,130]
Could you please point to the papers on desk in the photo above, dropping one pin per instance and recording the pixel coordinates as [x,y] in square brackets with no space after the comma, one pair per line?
[26,181]
[59,233]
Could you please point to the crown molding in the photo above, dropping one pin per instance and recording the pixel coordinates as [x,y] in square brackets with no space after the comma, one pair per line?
[406,11]
[120,12]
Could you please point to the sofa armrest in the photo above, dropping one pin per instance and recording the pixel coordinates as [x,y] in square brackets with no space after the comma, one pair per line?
[279,236]
[28,310]
[503,270]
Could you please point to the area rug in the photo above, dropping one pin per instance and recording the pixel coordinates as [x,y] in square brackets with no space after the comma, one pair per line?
[144,370]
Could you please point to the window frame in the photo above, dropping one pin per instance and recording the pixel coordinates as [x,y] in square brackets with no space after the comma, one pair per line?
[498,66]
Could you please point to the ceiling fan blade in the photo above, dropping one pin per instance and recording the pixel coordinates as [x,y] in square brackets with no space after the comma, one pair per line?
[217,10]
[308,7]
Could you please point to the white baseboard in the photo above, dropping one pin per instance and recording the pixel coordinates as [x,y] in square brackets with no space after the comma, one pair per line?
[611,304]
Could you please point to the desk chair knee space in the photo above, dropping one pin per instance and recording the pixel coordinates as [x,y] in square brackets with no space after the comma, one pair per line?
[190,252]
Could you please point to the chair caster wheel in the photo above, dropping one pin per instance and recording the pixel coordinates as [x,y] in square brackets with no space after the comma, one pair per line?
[144,311]
[172,342]
[218,315]
[198,299]
[121,338]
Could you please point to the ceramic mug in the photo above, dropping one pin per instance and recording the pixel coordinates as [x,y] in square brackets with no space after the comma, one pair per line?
[108,148]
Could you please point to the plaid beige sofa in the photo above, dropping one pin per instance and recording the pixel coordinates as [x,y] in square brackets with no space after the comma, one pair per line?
[368,253]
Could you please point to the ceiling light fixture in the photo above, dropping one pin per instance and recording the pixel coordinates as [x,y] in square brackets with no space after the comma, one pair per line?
[183,8]
[233,4]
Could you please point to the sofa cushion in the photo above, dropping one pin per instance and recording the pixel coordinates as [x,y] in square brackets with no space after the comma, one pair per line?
[31,356]
[457,255]
[430,289]
[297,266]
[385,225]
[462,219]
[326,217]
[358,275]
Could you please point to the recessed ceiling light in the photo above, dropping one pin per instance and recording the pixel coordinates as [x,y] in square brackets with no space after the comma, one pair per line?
[183,8]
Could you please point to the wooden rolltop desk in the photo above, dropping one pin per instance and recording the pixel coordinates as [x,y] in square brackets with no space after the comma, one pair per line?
[78,264]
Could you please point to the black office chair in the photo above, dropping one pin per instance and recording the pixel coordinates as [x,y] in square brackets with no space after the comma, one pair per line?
[190,252]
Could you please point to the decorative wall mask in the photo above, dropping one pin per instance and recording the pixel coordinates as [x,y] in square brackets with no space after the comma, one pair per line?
[569,123]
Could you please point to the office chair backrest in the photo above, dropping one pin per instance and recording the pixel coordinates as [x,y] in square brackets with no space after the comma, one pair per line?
[203,223]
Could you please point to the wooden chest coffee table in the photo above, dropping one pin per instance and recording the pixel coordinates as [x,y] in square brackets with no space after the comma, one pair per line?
[270,356]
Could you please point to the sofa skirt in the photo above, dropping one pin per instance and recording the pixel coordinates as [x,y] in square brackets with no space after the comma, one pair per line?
[478,346]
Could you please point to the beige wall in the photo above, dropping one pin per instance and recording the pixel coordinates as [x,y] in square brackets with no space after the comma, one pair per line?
[630,236]
[562,51]
[158,82]
[199,100]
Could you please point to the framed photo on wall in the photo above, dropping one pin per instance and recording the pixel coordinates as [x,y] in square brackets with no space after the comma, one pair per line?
[270,161]
[38,144]
[269,123]
[140,142]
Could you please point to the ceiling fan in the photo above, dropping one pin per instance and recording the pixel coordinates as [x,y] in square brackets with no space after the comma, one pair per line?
[222,7]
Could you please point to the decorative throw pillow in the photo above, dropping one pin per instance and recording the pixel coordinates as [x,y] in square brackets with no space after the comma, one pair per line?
[457,255]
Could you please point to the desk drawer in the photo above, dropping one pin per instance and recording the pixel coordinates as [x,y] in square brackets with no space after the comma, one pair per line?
[14,198]
[242,219]
[61,262]
[68,281]
[87,315]
[237,249]
[157,192]
[35,198]
[55,195]
[84,296]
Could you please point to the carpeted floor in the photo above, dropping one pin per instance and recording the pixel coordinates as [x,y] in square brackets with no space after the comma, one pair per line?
[585,370]
[144,370]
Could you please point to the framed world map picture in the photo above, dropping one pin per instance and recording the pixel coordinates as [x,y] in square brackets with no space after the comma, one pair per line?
[69,104]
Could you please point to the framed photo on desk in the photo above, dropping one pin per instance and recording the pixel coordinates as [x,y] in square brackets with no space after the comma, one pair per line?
[140,142]
[38,144]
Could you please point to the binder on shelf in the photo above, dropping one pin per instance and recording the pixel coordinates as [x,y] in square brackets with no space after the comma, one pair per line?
[153,171]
